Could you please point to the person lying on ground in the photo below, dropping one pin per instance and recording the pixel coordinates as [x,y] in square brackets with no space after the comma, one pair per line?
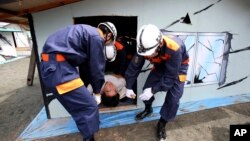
[113,90]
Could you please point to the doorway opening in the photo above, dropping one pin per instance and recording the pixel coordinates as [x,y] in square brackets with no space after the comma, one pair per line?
[126,47]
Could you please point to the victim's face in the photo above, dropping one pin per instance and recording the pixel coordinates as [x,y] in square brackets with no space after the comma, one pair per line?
[108,39]
[109,89]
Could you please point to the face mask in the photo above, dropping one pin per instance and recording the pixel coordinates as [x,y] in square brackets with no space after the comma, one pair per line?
[110,52]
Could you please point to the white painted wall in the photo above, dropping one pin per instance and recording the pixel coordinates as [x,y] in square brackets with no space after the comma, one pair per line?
[227,15]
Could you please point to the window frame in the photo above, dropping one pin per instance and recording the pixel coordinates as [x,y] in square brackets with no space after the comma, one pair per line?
[224,60]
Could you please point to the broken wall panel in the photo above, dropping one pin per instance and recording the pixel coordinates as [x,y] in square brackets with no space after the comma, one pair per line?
[207,59]
[205,16]
[190,43]
[210,50]
[7,46]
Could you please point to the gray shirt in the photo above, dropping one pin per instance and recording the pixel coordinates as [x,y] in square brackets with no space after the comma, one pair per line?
[119,83]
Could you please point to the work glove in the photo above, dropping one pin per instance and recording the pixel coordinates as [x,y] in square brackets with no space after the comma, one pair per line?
[97,98]
[147,94]
[130,93]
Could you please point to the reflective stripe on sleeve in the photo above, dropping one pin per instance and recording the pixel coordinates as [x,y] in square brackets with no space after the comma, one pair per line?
[185,61]
[182,77]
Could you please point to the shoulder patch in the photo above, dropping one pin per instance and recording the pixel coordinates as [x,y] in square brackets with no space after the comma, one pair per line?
[171,44]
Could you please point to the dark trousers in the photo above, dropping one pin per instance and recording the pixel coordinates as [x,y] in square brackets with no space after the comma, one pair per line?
[78,102]
[172,100]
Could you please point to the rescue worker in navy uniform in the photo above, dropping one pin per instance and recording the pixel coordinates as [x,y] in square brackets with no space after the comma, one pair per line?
[62,53]
[170,59]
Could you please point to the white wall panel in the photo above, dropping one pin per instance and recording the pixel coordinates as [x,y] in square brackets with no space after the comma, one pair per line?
[225,15]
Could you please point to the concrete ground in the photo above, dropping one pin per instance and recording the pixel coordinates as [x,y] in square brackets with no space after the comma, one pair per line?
[19,104]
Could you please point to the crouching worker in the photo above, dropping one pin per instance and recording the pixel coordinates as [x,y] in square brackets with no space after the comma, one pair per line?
[62,53]
[170,60]
[113,90]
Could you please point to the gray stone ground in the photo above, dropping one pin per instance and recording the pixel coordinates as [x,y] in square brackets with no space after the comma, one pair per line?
[20,103]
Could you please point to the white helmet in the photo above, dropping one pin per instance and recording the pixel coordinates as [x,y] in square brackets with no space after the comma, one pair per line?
[110,52]
[148,39]
[111,27]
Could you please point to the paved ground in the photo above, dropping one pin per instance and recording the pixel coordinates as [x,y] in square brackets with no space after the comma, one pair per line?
[19,104]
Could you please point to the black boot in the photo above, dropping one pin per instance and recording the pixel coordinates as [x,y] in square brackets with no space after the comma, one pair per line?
[147,112]
[89,139]
[161,131]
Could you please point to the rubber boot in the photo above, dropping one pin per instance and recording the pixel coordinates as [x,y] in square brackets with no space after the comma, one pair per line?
[147,112]
[161,130]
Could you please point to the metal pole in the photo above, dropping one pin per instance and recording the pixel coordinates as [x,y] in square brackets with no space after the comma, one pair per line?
[35,47]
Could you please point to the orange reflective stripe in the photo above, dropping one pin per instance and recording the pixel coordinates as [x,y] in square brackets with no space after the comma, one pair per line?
[45,57]
[186,61]
[156,60]
[60,57]
[118,45]
[182,77]
[171,43]
[69,86]
[165,57]
[159,59]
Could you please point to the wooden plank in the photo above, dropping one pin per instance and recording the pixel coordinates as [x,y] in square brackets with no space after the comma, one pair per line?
[32,68]
[6,15]
[23,12]
[7,1]
[23,22]
[9,13]
[23,49]
[117,108]
[47,6]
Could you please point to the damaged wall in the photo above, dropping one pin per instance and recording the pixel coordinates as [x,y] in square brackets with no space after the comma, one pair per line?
[22,37]
[7,46]
[214,16]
